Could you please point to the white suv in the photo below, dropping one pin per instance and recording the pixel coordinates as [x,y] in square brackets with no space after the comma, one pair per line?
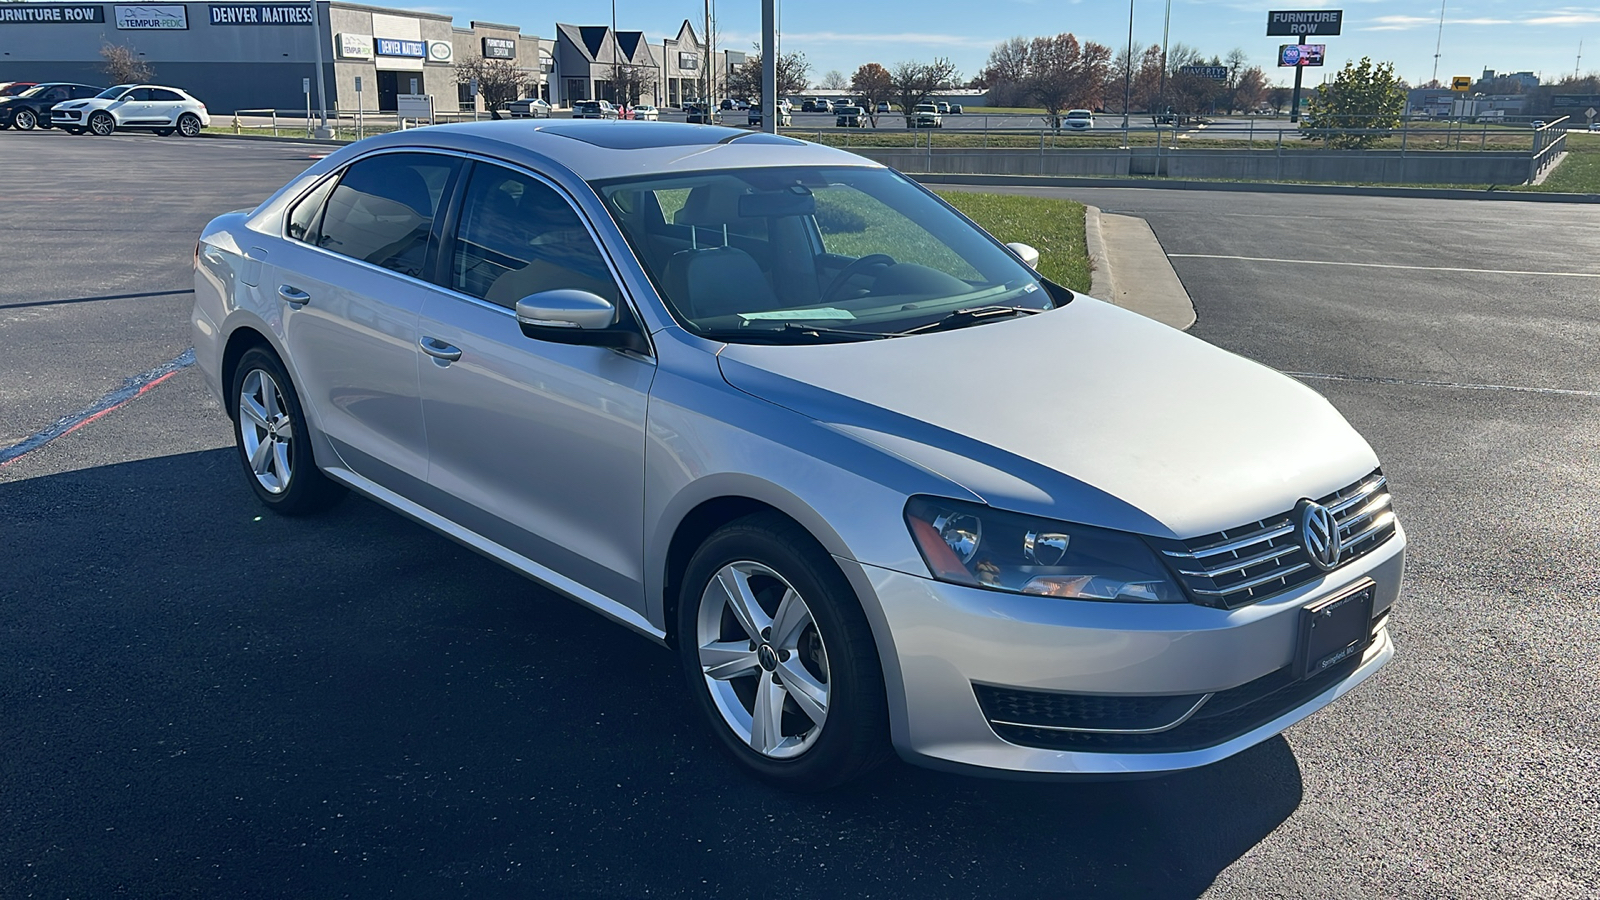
[144,106]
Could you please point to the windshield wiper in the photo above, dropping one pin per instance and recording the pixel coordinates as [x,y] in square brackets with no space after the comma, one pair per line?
[961,318]
[790,332]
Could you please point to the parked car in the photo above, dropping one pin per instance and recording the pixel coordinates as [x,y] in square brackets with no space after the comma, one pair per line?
[528,108]
[926,115]
[702,114]
[646,113]
[145,107]
[785,115]
[883,106]
[955,109]
[1536,124]
[32,106]
[809,104]
[13,88]
[849,117]
[851,550]
[594,109]
[944,108]
[1077,120]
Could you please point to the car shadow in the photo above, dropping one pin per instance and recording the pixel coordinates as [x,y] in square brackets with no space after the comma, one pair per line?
[202,697]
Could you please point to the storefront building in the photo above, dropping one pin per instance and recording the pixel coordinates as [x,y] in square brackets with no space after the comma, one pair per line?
[254,56]
[589,57]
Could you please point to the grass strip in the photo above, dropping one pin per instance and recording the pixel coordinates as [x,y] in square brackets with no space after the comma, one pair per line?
[1053,227]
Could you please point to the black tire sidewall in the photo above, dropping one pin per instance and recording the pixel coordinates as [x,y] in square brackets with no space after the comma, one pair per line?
[17,120]
[101,117]
[855,736]
[185,118]
[308,490]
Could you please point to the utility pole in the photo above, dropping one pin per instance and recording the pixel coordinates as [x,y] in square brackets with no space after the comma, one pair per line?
[1579,64]
[1438,43]
[769,67]
[1166,27]
[1127,77]
[323,131]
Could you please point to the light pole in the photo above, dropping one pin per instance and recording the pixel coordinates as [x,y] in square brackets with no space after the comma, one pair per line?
[1127,77]
[323,131]
[769,67]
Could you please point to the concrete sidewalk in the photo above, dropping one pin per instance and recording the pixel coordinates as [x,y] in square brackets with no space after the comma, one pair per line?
[1132,271]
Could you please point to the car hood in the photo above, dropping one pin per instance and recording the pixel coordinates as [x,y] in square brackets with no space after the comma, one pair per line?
[1089,413]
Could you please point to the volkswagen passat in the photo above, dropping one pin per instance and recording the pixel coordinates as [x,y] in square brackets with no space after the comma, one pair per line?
[880,485]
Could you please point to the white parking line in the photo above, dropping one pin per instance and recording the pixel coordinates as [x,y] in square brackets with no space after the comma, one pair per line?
[1457,385]
[1362,265]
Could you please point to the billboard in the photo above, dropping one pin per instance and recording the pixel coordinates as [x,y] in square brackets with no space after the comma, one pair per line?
[1301,54]
[1219,73]
[1291,23]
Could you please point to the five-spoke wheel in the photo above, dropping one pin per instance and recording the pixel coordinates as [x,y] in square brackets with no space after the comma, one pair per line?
[779,655]
[25,119]
[272,437]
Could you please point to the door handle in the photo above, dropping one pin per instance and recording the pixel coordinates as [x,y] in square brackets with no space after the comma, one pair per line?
[293,295]
[439,349]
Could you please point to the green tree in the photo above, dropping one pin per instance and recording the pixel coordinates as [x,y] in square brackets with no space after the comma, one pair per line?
[1362,96]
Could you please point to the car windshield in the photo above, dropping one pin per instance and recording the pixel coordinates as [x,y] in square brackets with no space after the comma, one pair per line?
[36,90]
[819,253]
[1078,114]
[112,93]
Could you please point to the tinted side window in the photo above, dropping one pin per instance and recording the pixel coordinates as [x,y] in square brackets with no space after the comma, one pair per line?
[78,93]
[157,94]
[383,207]
[518,237]
[54,95]
[138,95]
[303,218]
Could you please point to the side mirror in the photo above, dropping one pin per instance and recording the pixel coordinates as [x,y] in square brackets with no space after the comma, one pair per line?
[570,316]
[1028,255]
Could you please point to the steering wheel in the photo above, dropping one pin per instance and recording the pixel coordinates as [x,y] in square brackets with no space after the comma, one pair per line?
[851,270]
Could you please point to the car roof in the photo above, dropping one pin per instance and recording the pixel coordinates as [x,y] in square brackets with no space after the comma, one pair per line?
[595,150]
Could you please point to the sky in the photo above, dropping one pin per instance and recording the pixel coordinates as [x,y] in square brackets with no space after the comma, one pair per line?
[1504,35]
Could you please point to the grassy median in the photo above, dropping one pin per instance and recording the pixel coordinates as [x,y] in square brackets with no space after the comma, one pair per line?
[1053,227]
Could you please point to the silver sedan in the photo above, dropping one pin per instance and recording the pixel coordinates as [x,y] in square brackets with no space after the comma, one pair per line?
[881,486]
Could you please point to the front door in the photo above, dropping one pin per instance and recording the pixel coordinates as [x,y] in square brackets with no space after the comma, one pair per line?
[349,284]
[537,446]
[388,90]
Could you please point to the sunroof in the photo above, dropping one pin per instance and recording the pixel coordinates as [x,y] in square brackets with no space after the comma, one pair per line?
[645,135]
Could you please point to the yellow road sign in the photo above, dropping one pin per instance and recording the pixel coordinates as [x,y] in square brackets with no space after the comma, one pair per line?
[1461,83]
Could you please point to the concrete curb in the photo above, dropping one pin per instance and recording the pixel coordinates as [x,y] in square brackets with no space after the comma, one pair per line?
[1100,284]
[279,139]
[1141,276]
[1253,187]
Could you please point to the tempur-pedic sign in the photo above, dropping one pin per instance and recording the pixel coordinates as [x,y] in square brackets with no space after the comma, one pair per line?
[152,18]
[261,14]
[36,14]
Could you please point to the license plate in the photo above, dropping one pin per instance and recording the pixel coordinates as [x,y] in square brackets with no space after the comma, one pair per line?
[1334,629]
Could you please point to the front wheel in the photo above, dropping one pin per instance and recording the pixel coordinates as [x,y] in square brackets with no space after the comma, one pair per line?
[189,125]
[779,657]
[25,119]
[101,124]
[274,440]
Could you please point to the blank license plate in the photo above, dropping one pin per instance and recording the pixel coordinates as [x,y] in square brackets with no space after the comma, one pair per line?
[1334,630]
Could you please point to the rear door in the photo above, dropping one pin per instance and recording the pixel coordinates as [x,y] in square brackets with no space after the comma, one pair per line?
[537,446]
[165,106]
[348,283]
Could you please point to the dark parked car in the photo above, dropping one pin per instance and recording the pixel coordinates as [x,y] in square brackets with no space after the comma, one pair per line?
[594,109]
[32,106]
[701,114]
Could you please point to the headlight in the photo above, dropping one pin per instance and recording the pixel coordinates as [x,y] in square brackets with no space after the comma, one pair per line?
[967,543]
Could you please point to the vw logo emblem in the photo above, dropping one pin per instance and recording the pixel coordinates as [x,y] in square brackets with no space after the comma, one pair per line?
[1319,534]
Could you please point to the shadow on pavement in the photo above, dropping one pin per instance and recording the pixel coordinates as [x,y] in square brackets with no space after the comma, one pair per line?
[201,698]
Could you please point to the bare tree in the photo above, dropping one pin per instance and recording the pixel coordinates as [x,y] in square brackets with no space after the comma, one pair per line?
[915,82]
[1003,75]
[745,81]
[834,81]
[123,66]
[499,80]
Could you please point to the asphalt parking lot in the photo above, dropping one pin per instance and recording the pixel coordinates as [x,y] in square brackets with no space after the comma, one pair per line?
[197,699]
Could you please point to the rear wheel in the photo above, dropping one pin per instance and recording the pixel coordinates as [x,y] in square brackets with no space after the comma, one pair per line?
[25,119]
[189,125]
[273,439]
[779,656]
[102,124]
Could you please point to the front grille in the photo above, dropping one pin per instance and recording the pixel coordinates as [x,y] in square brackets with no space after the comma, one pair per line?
[1225,716]
[1088,712]
[63,114]
[1242,565]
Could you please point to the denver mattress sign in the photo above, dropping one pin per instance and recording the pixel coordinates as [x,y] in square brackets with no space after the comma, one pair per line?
[261,14]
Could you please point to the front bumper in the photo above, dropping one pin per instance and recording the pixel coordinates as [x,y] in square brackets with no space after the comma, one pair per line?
[946,643]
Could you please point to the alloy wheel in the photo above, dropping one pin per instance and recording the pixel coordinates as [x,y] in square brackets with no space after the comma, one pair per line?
[266,431]
[102,124]
[25,120]
[189,125]
[763,659]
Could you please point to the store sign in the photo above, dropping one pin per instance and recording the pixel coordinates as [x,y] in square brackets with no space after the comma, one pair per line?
[353,46]
[397,47]
[1310,21]
[499,48]
[1217,73]
[34,14]
[262,14]
[441,51]
[1301,54]
[152,18]
[688,60]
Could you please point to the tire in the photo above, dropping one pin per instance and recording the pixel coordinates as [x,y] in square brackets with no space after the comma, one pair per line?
[101,124]
[821,674]
[25,120]
[270,428]
[163,132]
[189,125]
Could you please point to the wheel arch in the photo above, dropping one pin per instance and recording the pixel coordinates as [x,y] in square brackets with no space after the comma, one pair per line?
[240,341]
